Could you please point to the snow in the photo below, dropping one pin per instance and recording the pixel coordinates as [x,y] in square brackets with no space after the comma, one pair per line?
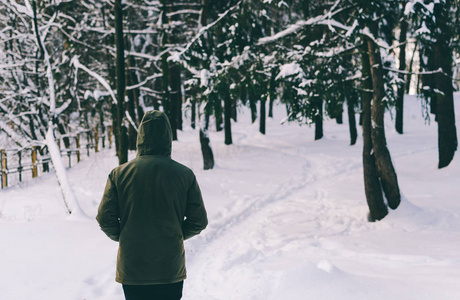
[288,220]
[289,70]
[70,201]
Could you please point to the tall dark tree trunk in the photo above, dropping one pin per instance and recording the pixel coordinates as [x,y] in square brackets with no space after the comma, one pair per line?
[272,93]
[218,111]
[401,84]
[175,99]
[263,115]
[253,106]
[338,113]
[227,116]
[373,191]
[445,114]
[383,161]
[319,121]
[139,110]
[352,121]
[111,70]
[193,116]
[252,103]
[234,110]
[206,150]
[122,149]
[131,107]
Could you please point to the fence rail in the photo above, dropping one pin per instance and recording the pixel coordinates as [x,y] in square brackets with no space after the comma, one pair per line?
[18,161]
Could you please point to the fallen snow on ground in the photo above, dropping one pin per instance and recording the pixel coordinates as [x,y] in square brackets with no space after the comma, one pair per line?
[288,220]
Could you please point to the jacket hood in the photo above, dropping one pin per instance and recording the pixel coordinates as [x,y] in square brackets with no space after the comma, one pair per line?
[155,135]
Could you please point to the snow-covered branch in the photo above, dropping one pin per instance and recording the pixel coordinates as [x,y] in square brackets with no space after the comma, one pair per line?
[207,27]
[77,65]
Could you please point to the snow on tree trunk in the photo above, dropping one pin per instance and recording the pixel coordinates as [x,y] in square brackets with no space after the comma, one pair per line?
[70,201]
[401,85]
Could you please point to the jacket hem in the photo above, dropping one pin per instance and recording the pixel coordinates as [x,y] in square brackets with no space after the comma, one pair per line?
[151,282]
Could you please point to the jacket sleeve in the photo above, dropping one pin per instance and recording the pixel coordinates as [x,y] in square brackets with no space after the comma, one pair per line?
[108,212]
[195,213]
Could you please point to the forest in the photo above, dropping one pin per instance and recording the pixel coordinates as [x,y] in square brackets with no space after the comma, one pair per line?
[68,67]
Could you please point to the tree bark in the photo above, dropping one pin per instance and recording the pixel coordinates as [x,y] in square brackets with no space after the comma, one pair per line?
[272,93]
[252,103]
[263,115]
[227,116]
[122,149]
[206,150]
[383,161]
[373,191]
[352,121]
[131,107]
[175,99]
[193,116]
[444,99]
[401,84]
[218,113]
[319,121]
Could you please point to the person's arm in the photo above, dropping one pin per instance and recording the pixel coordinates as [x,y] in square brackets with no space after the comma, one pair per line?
[108,213]
[195,212]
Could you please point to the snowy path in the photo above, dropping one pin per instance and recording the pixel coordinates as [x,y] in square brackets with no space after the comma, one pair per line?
[287,221]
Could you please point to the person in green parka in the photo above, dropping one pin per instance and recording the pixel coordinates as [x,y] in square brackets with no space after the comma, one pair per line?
[150,205]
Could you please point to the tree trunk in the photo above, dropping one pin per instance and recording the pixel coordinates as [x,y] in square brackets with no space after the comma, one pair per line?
[206,150]
[218,113]
[271,93]
[401,84]
[122,149]
[373,191]
[319,121]
[383,161]
[263,116]
[352,121]
[234,110]
[227,116]
[193,116]
[445,114]
[131,107]
[175,99]
[252,103]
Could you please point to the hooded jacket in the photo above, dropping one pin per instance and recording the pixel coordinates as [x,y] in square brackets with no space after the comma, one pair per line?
[151,204]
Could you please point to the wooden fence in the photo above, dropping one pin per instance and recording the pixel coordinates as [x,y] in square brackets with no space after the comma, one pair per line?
[18,161]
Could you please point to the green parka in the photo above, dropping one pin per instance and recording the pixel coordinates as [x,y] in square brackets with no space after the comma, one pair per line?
[151,204]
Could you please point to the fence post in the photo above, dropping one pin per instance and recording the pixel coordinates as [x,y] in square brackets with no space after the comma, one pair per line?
[34,162]
[96,139]
[77,142]
[4,168]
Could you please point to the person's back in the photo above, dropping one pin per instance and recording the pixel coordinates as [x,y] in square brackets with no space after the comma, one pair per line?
[151,205]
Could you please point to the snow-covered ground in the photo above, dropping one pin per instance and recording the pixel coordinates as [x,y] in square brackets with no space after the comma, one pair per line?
[288,220]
